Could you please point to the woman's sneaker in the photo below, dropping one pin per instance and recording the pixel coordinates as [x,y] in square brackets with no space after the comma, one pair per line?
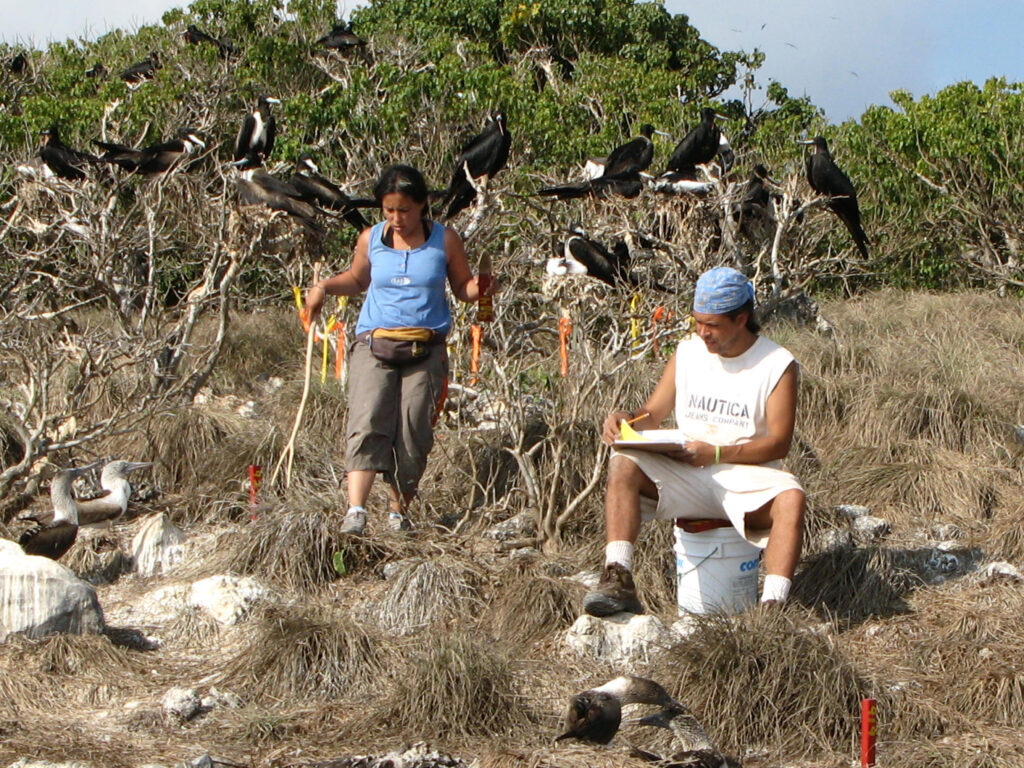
[398,522]
[355,521]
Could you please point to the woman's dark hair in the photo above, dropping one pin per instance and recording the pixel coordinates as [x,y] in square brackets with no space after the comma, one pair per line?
[752,325]
[401,178]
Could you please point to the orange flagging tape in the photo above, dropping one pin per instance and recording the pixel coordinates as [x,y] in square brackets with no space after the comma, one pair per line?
[564,330]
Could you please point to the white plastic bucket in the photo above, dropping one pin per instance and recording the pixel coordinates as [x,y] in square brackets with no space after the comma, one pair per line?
[716,570]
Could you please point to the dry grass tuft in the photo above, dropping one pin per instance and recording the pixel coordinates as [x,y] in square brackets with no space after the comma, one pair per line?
[424,592]
[294,549]
[97,559]
[738,673]
[451,683]
[194,626]
[529,607]
[854,583]
[301,652]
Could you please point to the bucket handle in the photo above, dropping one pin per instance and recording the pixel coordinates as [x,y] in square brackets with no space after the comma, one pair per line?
[698,565]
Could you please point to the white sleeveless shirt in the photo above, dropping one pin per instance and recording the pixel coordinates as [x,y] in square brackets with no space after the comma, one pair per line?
[722,400]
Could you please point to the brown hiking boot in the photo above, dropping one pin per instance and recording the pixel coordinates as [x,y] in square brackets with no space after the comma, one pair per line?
[615,593]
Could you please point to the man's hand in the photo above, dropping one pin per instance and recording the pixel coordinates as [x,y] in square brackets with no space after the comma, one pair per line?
[611,430]
[697,454]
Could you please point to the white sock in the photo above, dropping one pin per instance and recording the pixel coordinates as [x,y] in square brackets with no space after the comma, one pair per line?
[775,588]
[620,552]
[355,508]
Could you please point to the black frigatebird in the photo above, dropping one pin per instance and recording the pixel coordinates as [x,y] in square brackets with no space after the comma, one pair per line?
[583,256]
[194,36]
[61,159]
[156,158]
[97,71]
[826,178]
[633,156]
[54,538]
[319,190]
[697,147]
[257,187]
[144,70]
[256,135]
[484,156]
[18,64]
[627,185]
[341,38]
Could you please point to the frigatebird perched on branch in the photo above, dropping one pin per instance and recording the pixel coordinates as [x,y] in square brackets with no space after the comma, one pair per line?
[144,70]
[319,190]
[697,147]
[156,158]
[626,185]
[341,38]
[633,156]
[257,187]
[826,178]
[484,156]
[193,36]
[61,159]
[256,136]
[583,256]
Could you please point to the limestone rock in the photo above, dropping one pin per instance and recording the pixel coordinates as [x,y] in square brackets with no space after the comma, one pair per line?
[516,527]
[181,703]
[1000,571]
[39,596]
[229,599]
[158,546]
[871,528]
[622,638]
[853,511]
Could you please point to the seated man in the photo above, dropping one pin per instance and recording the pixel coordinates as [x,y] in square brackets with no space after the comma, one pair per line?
[734,394]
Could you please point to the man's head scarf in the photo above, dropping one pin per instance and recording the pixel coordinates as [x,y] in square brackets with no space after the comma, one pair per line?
[721,290]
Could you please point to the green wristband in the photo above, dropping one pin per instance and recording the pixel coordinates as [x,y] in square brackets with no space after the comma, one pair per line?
[718,454]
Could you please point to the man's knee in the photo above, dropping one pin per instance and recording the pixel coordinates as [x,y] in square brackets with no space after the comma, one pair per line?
[784,511]
[622,471]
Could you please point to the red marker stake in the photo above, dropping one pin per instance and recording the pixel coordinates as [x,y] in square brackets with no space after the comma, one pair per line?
[255,478]
[868,731]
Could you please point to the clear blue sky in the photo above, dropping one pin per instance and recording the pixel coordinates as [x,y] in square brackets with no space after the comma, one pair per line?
[844,55]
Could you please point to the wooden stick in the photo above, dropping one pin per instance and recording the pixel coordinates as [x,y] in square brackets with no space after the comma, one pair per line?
[289,450]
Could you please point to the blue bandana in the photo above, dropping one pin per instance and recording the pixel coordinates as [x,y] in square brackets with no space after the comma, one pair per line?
[721,290]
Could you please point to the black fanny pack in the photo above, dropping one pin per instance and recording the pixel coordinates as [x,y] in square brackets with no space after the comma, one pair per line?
[400,346]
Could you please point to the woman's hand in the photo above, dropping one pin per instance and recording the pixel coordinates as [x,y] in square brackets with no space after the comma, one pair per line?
[314,301]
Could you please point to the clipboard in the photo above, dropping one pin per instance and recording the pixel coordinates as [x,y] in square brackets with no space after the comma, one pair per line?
[651,440]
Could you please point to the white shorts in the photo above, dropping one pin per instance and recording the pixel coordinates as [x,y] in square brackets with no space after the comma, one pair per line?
[717,492]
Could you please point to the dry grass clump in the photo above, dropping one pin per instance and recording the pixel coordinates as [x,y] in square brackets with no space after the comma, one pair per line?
[856,583]
[739,673]
[96,557]
[295,549]
[530,606]
[450,683]
[86,669]
[301,652]
[424,592]
[991,748]
[566,755]
[194,626]
[264,343]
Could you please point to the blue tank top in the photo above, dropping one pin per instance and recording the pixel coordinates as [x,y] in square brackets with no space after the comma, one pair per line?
[407,288]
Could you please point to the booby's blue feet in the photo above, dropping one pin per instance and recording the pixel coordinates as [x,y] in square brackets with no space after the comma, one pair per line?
[615,593]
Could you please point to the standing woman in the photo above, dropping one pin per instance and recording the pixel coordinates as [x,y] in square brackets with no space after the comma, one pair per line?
[398,364]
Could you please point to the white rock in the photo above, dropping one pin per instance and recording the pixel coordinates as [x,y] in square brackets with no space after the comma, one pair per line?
[871,527]
[182,703]
[39,596]
[588,579]
[158,546]
[835,538]
[229,599]
[947,532]
[1000,571]
[853,511]
[26,762]
[622,638]
[516,527]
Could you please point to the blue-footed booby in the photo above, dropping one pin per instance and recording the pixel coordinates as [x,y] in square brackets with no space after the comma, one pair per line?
[55,538]
[595,715]
[103,510]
